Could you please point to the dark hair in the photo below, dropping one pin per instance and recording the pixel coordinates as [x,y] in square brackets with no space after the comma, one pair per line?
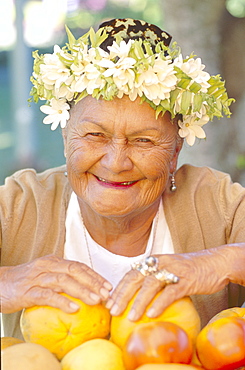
[133,29]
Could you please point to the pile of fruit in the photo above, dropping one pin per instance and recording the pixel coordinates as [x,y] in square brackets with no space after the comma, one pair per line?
[91,339]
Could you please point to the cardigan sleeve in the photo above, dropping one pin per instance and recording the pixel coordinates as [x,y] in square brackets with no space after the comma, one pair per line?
[232,201]
[32,215]
[207,210]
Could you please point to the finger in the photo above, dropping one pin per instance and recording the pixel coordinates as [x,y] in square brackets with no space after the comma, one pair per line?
[169,295]
[91,279]
[75,269]
[124,292]
[53,263]
[151,286]
[47,297]
[60,282]
[80,272]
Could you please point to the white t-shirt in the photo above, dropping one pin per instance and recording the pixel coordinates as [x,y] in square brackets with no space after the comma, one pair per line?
[109,265]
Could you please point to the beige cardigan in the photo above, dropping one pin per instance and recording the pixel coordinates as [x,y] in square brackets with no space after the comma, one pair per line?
[206,211]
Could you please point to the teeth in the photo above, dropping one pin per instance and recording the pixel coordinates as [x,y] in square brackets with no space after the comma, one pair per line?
[122,183]
[101,179]
[127,183]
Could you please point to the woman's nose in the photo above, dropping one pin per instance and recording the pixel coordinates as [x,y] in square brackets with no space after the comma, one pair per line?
[117,159]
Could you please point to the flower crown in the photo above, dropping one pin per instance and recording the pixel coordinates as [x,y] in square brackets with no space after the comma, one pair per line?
[157,73]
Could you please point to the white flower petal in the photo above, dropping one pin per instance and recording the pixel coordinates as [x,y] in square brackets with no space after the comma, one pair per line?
[46,109]
[48,119]
[55,124]
[198,131]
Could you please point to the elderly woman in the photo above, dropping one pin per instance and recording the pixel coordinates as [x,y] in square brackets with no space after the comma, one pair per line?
[120,217]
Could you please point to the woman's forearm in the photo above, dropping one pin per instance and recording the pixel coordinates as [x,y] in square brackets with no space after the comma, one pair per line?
[235,257]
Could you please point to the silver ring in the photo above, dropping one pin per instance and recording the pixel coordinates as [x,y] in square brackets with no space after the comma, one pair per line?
[166,277]
[147,267]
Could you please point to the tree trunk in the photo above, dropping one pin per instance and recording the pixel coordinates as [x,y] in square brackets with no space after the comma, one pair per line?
[199,26]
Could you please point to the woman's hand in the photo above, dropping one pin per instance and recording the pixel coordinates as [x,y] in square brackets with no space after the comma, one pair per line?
[203,272]
[40,282]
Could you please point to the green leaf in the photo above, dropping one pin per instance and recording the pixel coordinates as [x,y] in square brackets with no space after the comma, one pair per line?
[92,36]
[184,83]
[65,61]
[96,38]
[80,96]
[138,50]
[183,77]
[159,110]
[197,103]
[212,89]
[173,96]
[165,104]
[219,93]
[148,48]
[71,38]
[185,101]
[195,87]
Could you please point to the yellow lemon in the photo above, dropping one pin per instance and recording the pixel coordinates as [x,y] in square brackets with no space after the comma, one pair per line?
[60,332]
[182,312]
[95,354]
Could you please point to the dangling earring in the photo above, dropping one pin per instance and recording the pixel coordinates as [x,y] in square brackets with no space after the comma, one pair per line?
[173,186]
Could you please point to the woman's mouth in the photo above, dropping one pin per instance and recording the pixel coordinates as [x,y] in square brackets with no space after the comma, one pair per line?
[123,184]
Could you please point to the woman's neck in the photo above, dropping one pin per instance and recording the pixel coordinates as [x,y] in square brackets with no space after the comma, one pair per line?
[127,236]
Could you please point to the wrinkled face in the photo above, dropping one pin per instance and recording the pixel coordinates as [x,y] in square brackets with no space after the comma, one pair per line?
[119,156]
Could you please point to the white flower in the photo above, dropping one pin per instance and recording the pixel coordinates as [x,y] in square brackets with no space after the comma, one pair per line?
[57,113]
[53,71]
[157,81]
[127,68]
[65,91]
[89,79]
[122,72]
[121,50]
[194,69]
[191,127]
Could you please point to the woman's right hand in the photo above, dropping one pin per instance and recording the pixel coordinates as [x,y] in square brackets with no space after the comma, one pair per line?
[39,283]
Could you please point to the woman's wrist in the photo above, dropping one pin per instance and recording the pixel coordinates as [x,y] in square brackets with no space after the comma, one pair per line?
[234,266]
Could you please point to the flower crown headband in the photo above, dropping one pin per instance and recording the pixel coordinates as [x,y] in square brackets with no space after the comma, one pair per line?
[133,58]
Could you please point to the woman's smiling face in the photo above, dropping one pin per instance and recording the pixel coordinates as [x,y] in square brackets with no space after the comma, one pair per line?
[119,156]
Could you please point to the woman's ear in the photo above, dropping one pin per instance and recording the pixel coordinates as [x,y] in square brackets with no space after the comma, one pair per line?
[178,147]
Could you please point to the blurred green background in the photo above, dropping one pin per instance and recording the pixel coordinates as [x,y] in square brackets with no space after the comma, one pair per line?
[27,25]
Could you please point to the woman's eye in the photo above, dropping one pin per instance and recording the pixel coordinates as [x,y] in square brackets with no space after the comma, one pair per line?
[143,140]
[95,134]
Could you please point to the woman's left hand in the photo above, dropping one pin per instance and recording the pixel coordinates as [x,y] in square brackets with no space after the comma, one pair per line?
[203,272]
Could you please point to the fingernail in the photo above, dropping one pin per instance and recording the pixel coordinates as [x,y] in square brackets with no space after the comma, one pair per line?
[74,306]
[151,312]
[109,304]
[104,292]
[114,309]
[94,297]
[132,315]
[108,285]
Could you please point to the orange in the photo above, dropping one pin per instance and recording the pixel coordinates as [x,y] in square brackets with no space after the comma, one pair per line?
[229,312]
[95,354]
[60,332]
[221,344]
[157,342]
[182,312]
